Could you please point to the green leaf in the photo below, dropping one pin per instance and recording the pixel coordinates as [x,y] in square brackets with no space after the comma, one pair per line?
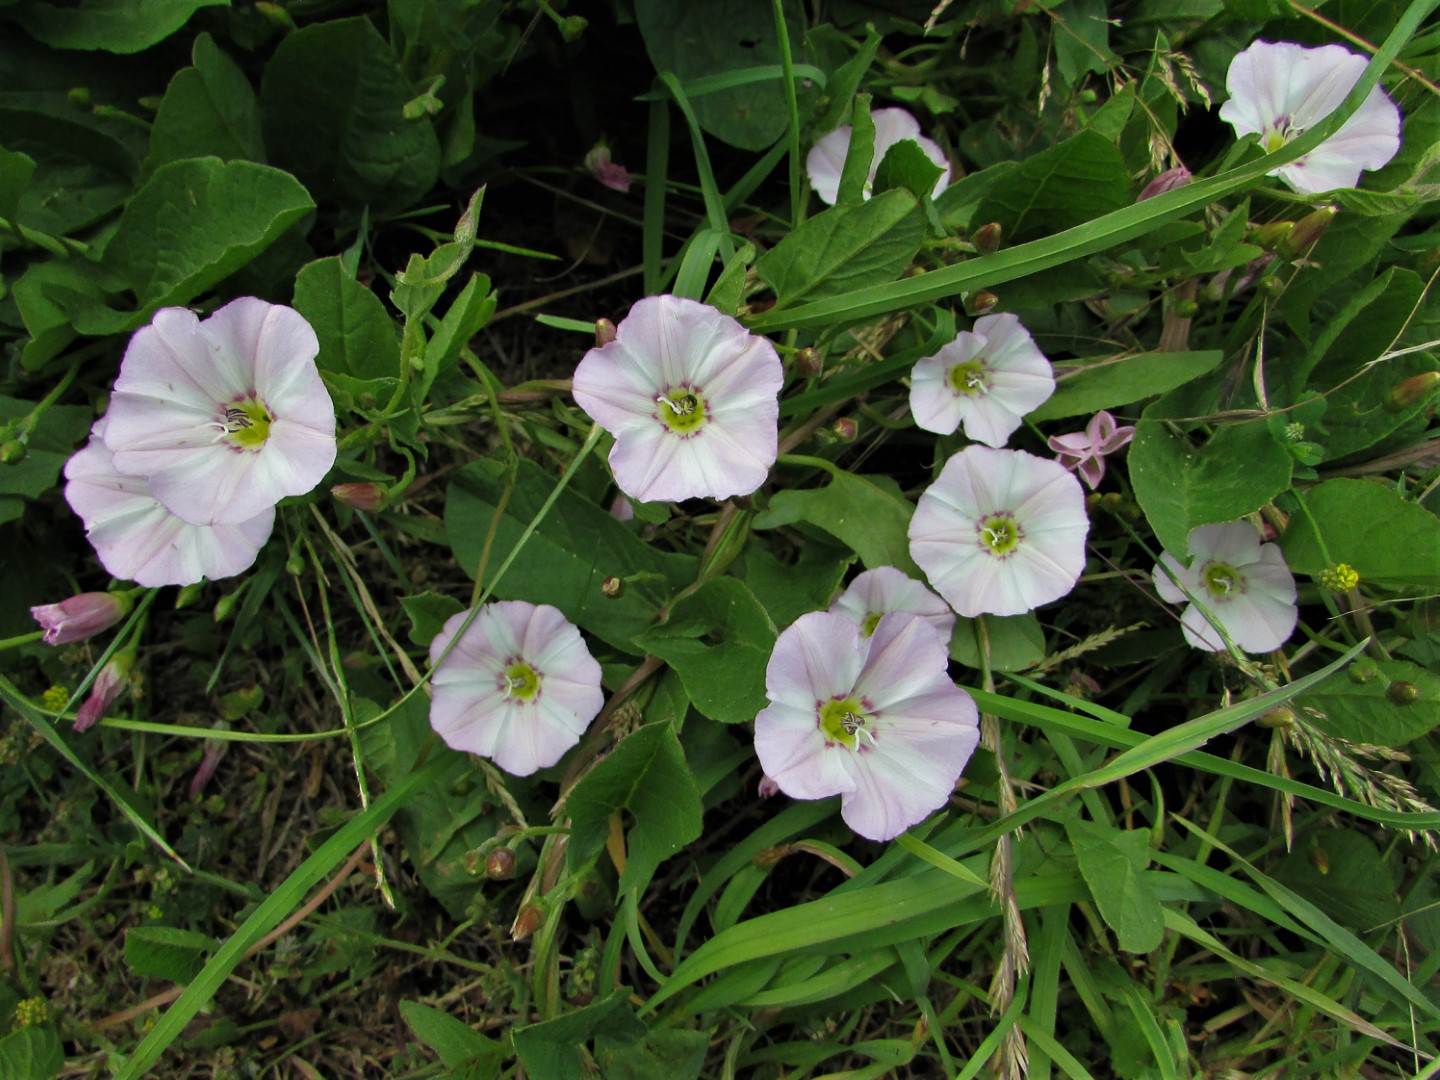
[357,336]
[458,1045]
[1385,538]
[718,639]
[1366,712]
[844,248]
[575,549]
[467,316]
[31,1053]
[1344,875]
[166,952]
[662,1054]
[208,110]
[728,291]
[428,612]
[859,155]
[906,167]
[1113,862]
[789,590]
[866,513]
[58,431]
[1236,471]
[50,297]
[551,1049]
[1086,389]
[332,102]
[117,26]
[646,775]
[702,38]
[16,169]
[1016,641]
[194,223]
[1082,178]
[1365,326]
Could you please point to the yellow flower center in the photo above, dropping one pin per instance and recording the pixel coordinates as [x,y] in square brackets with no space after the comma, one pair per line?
[246,424]
[1001,534]
[970,378]
[1220,580]
[522,682]
[844,720]
[681,410]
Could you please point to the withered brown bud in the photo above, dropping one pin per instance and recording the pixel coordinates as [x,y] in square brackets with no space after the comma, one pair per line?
[365,496]
[1412,391]
[987,238]
[845,429]
[612,587]
[500,864]
[981,302]
[526,923]
[809,362]
[604,332]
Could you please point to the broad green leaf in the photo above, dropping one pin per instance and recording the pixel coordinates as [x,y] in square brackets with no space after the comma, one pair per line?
[1081,39]
[16,169]
[59,430]
[1113,862]
[196,222]
[117,26]
[166,952]
[467,316]
[844,248]
[208,110]
[703,38]
[428,612]
[1367,524]
[575,549]
[357,336]
[1366,707]
[1238,470]
[1082,178]
[50,297]
[728,291]
[718,639]
[551,1049]
[1105,384]
[789,590]
[1343,874]
[458,1045]
[31,1053]
[647,776]
[664,1053]
[1360,413]
[1364,327]
[332,102]
[1016,641]
[866,513]
[906,167]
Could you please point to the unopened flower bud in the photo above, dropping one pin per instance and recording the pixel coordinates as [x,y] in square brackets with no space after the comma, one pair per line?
[987,238]
[809,362]
[500,864]
[108,685]
[1270,236]
[1410,392]
[604,332]
[80,617]
[1168,180]
[981,302]
[1362,671]
[1186,309]
[365,496]
[225,606]
[1281,717]
[295,564]
[1320,860]
[1307,232]
[845,429]
[768,788]
[12,452]
[612,587]
[1400,692]
[526,923]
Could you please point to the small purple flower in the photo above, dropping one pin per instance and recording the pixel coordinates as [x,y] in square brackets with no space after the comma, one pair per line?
[875,720]
[612,175]
[519,687]
[80,617]
[1085,451]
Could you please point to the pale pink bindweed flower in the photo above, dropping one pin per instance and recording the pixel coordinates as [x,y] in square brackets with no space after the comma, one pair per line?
[878,592]
[826,159]
[988,378]
[519,687]
[1000,532]
[690,396]
[79,617]
[1243,583]
[612,174]
[875,720]
[114,677]
[1085,451]
[1279,91]
[222,418]
[138,540]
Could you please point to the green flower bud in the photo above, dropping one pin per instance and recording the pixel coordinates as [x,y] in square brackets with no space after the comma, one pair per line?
[1306,233]
[987,238]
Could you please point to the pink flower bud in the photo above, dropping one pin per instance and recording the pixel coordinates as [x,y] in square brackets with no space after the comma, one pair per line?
[108,686]
[80,617]
[1168,180]
[604,332]
[612,175]
[360,496]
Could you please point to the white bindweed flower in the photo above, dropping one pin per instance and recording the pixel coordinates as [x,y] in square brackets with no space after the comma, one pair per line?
[885,589]
[690,396]
[1279,91]
[226,417]
[138,540]
[1000,531]
[1243,583]
[519,687]
[875,720]
[988,378]
[826,159]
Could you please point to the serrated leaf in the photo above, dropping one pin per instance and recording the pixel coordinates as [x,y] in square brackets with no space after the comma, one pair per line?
[1112,862]
[845,248]
[1365,712]
[1384,537]
[166,952]
[332,102]
[1106,384]
[31,1053]
[1236,471]
[866,513]
[718,639]
[196,222]
[117,26]
[357,336]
